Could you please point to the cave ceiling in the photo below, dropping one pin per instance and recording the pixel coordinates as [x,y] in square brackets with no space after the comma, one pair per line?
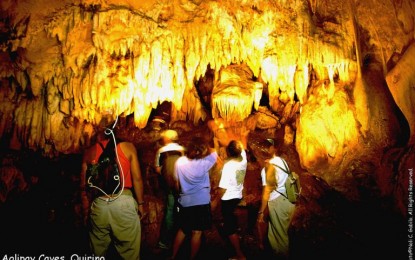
[335,73]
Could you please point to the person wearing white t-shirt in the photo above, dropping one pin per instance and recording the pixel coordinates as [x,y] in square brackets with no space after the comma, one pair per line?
[232,185]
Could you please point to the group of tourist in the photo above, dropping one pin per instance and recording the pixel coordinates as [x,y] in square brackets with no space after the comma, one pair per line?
[184,172]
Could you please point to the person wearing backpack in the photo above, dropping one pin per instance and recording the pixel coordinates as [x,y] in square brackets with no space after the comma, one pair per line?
[166,157]
[113,218]
[280,209]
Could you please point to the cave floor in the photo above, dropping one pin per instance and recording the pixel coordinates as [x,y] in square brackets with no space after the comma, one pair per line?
[36,223]
[28,230]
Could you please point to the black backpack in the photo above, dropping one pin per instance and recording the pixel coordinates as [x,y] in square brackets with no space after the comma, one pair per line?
[292,184]
[103,178]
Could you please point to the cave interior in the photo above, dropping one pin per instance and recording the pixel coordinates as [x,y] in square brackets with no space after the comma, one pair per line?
[331,82]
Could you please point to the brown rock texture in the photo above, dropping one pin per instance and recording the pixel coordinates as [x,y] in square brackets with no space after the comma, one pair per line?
[331,81]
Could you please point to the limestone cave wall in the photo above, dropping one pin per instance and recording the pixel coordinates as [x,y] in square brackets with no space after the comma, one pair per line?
[332,81]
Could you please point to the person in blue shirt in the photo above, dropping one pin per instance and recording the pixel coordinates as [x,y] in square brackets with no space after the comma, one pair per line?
[193,182]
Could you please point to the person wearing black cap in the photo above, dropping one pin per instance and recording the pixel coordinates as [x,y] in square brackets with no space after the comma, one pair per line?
[280,209]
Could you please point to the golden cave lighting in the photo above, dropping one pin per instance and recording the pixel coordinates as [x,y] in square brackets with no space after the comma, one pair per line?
[157,77]
[301,82]
[131,59]
[233,104]
[268,68]
[164,67]
[331,87]
[326,128]
[235,93]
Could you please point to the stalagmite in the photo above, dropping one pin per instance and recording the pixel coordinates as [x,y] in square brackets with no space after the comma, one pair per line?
[401,82]
[288,135]
[286,112]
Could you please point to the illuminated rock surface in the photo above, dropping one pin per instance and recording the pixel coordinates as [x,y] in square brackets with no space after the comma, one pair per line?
[332,80]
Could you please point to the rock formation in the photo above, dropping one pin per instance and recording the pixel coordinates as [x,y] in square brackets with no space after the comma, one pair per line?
[333,79]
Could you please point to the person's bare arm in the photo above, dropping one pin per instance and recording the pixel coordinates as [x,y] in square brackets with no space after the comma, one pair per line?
[157,167]
[136,176]
[271,182]
[176,180]
[244,137]
[221,191]
[266,191]
[262,226]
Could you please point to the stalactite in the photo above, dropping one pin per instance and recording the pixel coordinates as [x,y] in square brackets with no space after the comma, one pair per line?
[258,88]
[180,81]
[21,78]
[23,116]
[166,78]
[359,92]
[36,127]
[301,81]
[142,65]
[8,95]
[331,87]
[60,138]
[218,51]
[119,57]
[269,66]
[75,88]
[192,107]
[191,57]
[204,59]
[154,70]
[290,81]
[231,107]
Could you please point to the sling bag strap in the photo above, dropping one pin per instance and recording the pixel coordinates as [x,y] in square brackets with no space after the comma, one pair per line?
[285,165]
[284,170]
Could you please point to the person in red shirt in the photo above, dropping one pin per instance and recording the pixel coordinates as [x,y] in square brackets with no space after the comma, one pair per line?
[114,217]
